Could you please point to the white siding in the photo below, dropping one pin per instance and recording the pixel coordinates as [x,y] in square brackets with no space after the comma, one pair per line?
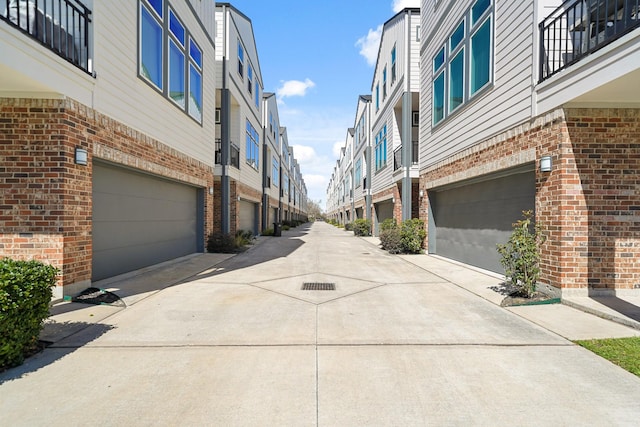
[506,104]
[121,94]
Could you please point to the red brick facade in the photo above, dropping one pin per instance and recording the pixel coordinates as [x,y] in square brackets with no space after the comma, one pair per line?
[589,204]
[46,208]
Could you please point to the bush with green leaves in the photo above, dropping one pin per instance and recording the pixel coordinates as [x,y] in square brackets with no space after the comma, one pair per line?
[348,226]
[285,227]
[412,235]
[221,243]
[268,232]
[361,227]
[25,295]
[520,256]
[408,237]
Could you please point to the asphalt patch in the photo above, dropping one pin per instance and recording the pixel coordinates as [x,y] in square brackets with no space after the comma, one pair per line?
[98,297]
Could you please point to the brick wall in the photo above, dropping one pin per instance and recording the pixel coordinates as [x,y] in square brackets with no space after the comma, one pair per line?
[46,207]
[589,204]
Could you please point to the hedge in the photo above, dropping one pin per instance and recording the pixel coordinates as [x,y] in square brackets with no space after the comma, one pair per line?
[25,295]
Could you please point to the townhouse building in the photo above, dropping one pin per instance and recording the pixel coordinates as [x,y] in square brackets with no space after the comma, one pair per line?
[239,168]
[271,162]
[361,159]
[107,113]
[394,119]
[377,175]
[534,105]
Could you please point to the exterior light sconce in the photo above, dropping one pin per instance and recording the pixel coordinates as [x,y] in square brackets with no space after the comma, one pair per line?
[81,156]
[393,200]
[546,163]
[421,194]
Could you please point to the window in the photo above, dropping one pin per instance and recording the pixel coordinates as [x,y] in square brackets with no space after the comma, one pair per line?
[418,34]
[240,59]
[182,63]
[252,153]
[218,112]
[358,173]
[257,94]
[275,172]
[176,60]
[381,148]
[377,97]
[249,78]
[151,58]
[384,83]
[195,81]
[415,118]
[463,67]
[393,65]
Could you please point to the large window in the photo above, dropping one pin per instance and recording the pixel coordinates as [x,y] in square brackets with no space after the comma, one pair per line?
[384,83]
[393,65]
[381,148]
[180,69]
[249,79]
[358,173]
[377,97]
[275,172]
[252,153]
[463,66]
[240,59]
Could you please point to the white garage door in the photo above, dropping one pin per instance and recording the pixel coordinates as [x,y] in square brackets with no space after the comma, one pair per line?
[248,216]
[471,220]
[139,220]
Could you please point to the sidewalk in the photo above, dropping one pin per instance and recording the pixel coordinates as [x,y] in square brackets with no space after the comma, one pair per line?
[576,318]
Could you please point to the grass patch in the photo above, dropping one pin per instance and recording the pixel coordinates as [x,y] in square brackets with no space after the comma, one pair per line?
[624,352]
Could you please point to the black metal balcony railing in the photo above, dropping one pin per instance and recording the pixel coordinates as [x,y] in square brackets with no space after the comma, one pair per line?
[60,25]
[580,27]
[415,155]
[234,154]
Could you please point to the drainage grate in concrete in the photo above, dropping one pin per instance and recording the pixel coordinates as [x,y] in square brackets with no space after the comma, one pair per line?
[318,286]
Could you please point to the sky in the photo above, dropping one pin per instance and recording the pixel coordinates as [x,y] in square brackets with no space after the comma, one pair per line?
[318,57]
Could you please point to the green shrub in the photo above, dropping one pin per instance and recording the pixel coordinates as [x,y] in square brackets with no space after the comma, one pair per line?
[406,238]
[391,240]
[285,228]
[25,295]
[388,224]
[268,232]
[520,255]
[243,238]
[362,227]
[412,235]
[221,243]
[348,226]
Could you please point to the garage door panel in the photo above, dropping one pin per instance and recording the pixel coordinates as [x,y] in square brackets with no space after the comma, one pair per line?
[471,220]
[139,220]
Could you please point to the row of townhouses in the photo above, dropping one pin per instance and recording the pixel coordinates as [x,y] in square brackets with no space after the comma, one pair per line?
[132,129]
[481,109]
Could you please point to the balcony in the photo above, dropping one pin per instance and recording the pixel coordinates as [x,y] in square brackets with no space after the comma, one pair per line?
[580,27]
[62,26]
[234,154]
[397,156]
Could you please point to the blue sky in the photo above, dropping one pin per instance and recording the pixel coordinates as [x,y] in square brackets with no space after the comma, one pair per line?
[318,57]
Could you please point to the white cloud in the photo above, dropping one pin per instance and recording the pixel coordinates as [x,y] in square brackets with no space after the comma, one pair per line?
[304,154]
[294,88]
[369,45]
[398,5]
[337,146]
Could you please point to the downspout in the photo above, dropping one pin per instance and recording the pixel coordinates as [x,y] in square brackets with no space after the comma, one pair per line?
[367,151]
[406,126]
[225,125]
[265,188]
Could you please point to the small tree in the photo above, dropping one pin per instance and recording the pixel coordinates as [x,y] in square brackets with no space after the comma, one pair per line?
[520,255]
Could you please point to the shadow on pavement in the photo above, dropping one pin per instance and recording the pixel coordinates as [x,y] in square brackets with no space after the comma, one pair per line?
[621,306]
[49,355]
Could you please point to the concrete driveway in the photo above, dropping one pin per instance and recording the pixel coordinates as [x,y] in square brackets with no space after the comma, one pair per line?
[240,343]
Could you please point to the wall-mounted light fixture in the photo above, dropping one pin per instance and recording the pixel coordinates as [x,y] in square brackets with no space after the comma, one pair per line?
[546,163]
[81,156]
[421,194]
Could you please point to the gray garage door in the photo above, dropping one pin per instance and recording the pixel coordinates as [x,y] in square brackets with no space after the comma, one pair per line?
[383,210]
[139,220]
[470,220]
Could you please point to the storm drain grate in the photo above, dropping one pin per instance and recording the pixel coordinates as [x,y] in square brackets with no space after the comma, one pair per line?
[318,286]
